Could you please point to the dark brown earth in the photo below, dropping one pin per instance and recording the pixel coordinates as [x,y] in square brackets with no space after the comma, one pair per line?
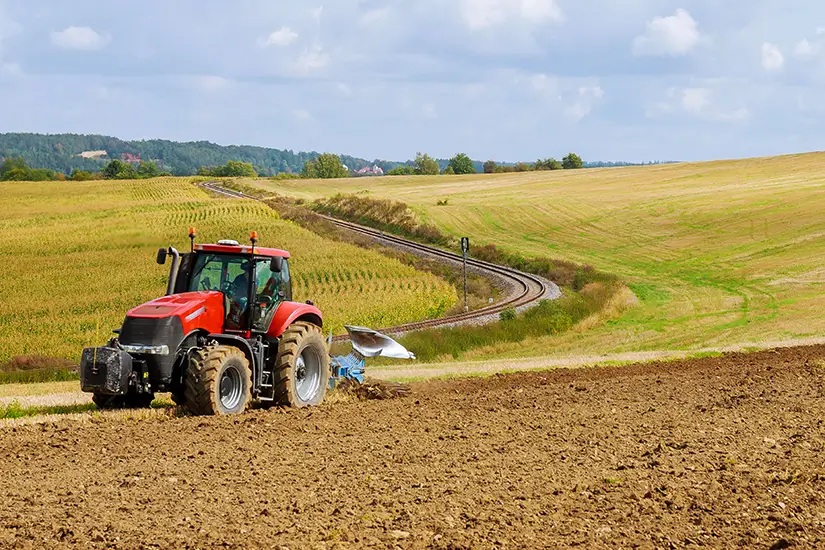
[718,452]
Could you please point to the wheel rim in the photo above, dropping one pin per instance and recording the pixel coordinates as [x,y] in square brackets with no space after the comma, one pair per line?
[231,388]
[307,374]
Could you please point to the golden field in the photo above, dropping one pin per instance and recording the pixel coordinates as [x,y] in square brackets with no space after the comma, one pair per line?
[717,253]
[78,255]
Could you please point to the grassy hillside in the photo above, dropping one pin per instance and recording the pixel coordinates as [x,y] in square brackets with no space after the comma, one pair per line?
[77,256]
[718,253]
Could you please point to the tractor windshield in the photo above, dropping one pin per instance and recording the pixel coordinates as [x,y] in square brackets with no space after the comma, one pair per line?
[229,274]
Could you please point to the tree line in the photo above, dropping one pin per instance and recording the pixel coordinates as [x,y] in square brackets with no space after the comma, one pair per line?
[16,169]
[324,166]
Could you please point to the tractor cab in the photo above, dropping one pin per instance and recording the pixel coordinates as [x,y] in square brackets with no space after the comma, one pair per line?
[253,282]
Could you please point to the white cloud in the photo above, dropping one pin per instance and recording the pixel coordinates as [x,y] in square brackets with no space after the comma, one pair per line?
[673,35]
[317,13]
[343,89]
[10,70]
[310,61]
[545,84]
[80,38]
[803,48]
[583,105]
[302,115]
[697,102]
[695,99]
[483,14]
[772,58]
[428,110]
[282,37]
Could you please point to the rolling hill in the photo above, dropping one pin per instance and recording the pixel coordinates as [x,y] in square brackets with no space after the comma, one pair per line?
[718,253]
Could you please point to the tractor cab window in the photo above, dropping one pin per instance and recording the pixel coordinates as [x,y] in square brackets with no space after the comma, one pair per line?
[269,293]
[228,274]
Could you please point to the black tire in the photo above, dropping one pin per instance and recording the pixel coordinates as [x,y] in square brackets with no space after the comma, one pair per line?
[302,367]
[128,401]
[218,381]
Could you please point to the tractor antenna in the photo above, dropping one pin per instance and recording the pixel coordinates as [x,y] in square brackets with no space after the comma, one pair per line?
[192,236]
[253,237]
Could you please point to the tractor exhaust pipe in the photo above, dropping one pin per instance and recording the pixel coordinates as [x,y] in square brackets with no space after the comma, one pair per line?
[173,271]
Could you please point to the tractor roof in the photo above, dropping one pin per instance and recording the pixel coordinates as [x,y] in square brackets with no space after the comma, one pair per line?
[238,249]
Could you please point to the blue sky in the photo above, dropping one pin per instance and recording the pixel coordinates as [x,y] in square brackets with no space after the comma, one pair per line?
[504,79]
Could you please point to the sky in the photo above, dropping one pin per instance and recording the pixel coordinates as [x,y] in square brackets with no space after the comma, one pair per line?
[509,80]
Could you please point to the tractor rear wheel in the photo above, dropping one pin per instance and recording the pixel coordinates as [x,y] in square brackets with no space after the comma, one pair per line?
[218,381]
[302,367]
[128,401]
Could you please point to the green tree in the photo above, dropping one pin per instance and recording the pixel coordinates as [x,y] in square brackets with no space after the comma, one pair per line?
[448,171]
[326,166]
[16,169]
[12,164]
[402,170]
[462,164]
[119,170]
[81,175]
[147,170]
[553,164]
[572,162]
[236,169]
[490,167]
[425,165]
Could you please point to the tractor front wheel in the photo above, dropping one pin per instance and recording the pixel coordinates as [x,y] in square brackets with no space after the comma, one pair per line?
[302,367]
[218,381]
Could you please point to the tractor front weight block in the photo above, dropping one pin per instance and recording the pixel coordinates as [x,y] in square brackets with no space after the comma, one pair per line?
[105,370]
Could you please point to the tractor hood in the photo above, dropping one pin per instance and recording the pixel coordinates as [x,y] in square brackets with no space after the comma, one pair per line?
[196,310]
[175,305]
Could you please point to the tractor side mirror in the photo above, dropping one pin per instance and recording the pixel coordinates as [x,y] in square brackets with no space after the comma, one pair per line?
[161,256]
[276,265]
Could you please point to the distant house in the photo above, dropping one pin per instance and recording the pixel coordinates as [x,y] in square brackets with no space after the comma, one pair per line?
[370,171]
[129,157]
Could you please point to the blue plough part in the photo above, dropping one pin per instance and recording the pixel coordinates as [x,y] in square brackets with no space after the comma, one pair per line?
[365,343]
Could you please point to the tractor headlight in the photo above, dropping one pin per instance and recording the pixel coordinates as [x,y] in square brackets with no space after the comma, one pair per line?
[146,350]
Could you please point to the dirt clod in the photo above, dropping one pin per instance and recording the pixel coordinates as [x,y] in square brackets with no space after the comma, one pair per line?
[373,389]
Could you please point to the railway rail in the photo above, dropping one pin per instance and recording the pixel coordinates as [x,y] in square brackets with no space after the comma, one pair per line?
[524,290]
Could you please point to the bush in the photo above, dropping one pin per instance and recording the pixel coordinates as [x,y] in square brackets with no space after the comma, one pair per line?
[508,314]
[232,169]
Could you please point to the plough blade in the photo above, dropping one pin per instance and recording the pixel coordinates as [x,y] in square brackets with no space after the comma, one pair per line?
[366,342]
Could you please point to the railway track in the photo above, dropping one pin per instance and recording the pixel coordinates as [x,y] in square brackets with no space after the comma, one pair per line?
[523,290]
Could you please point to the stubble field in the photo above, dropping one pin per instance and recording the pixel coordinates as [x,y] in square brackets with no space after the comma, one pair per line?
[718,253]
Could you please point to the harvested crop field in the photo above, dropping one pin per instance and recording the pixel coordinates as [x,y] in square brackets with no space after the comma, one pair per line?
[721,452]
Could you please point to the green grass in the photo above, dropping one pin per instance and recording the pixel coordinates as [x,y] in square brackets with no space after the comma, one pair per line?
[15,410]
[79,255]
[718,253]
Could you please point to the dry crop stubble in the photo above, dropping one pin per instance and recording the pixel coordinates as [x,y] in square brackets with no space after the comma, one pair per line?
[717,253]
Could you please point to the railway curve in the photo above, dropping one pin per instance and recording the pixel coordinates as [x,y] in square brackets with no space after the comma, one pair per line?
[522,290]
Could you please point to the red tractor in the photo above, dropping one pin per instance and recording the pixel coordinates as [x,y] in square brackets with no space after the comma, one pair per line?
[225,334]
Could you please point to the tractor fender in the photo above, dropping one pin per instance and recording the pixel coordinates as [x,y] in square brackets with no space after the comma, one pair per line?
[289,312]
[238,342]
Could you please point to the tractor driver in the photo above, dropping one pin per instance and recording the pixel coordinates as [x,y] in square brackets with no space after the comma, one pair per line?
[238,292]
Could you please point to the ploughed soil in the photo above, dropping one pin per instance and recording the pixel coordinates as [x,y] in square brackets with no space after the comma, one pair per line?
[717,452]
